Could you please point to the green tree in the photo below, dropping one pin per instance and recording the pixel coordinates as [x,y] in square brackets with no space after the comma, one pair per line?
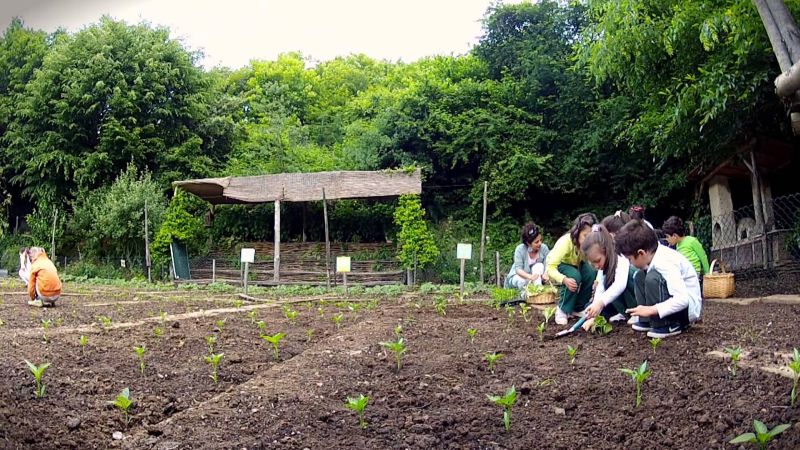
[183,222]
[414,239]
[109,95]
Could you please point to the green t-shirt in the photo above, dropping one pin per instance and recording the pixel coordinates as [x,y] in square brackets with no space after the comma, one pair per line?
[692,249]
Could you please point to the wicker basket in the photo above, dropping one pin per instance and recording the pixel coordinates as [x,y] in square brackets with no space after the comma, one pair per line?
[544,298]
[718,285]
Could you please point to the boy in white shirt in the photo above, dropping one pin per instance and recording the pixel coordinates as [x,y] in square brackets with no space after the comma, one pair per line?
[667,288]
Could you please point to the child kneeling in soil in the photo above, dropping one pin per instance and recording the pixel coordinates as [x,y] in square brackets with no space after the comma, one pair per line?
[44,285]
[666,286]
[615,293]
[529,258]
[566,266]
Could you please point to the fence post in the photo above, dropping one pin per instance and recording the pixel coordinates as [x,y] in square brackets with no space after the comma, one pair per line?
[213,270]
[497,268]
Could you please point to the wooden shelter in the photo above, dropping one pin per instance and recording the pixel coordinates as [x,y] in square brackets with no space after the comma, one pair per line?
[303,187]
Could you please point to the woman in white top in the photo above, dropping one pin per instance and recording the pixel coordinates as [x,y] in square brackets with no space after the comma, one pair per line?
[614,292]
[24,265]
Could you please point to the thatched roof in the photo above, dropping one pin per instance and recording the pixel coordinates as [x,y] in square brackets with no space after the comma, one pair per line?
[304,187]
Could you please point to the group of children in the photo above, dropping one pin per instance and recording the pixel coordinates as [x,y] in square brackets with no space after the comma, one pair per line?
[617,268]
[40,276]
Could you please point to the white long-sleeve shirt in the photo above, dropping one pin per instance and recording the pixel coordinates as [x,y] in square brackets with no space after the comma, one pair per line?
[682,283]
[617,287]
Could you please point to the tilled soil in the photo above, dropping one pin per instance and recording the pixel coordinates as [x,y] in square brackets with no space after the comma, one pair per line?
[436,400]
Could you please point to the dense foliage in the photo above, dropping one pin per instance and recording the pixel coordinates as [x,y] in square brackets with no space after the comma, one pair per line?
[561,107]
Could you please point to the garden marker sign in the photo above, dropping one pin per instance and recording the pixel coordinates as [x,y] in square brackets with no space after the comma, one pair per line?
[463,252]
[248,257]
[343,267]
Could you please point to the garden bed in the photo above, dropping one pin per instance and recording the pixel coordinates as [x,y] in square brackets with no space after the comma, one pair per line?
[436,400]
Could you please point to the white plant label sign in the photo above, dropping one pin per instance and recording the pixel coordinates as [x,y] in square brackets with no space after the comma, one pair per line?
[342,264]
[464,251]
[248,255]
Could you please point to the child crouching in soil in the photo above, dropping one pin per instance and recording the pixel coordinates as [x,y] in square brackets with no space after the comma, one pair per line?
[614,293]
[666,286]
[44,285]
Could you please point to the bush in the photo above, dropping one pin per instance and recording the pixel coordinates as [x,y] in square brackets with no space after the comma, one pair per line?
[183,222]
[414,238]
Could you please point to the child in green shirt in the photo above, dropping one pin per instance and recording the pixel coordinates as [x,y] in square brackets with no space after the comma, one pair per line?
[687,246]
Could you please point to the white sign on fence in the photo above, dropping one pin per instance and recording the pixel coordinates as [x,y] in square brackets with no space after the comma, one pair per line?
[342,264]
[248,255]
[464,251]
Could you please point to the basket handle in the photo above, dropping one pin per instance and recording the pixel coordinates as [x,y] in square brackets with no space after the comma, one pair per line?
[722,268]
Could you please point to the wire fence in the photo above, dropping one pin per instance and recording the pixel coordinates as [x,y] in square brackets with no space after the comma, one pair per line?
[759,240]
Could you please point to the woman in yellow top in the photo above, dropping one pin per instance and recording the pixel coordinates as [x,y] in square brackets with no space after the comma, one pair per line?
[566,265]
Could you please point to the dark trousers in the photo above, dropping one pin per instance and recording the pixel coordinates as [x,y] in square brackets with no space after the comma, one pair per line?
[584,275]
[625,301]
[651,289]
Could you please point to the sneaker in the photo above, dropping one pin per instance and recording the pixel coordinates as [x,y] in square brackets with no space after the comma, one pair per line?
[633,320]
[36,303]
[641,326]
[48,303]
[665,332]
[579,314]
[561,317]
[617,318]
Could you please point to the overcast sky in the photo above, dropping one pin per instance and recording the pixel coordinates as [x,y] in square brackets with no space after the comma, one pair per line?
[232,32]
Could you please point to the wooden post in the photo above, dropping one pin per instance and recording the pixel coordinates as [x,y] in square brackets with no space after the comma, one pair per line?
[246,274]
[758,209]
[53,236]
[327,241]
[483,227]
[276,262]
[462,278]
[344,280]
[213,270]
[690,224]
[16,225]
[304,222]
[497,268]
[147,246]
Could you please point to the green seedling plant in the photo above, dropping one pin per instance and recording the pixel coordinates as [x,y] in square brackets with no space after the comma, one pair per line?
[253,316]
[45,326]
[37,372]
[358,404]
[211,340]
[220,324]
[105,322]
[262,326]
[601,326]
[525,310]
[491,359]
[548,313]
[238,303]
[275,340]
[506,402]
[321,311]
[762,436]
[541,329]
[162,317]
[639,375]
[309,335]
[794,366]
[158,332]
[571,352]
[214,359]
[83,341]
[511,314]
[440,304]
[654,343]
[398,347]
[123,403]
[471,332]
[735,354]
[290,314]
[140,350]
[398,331]
[337,320]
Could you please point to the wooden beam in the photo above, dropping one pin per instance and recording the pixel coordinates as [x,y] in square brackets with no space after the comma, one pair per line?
[327,241]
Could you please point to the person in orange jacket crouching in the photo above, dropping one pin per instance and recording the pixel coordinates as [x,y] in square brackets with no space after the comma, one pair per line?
[44,286]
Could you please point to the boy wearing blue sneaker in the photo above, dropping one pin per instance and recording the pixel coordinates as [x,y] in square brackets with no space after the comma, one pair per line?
[667,289]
